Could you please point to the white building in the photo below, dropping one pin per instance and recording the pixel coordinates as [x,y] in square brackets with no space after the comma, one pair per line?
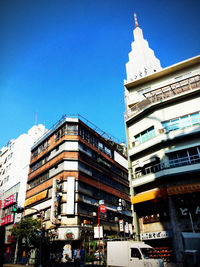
[14,168]
[163,124]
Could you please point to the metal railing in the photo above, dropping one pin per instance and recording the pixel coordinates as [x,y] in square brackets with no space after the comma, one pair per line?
[184,161]
[172,164]
[163,93]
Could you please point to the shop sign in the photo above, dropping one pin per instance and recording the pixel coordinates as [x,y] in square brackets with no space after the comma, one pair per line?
[102,208]
[156,235]
[101,202]
[11,239]
[86,222]
[185,211]
[35,198]
[130,228]
[10,200]
[121,225]
[154,217]
[6,220]
[98,232]
[126,228]
[69,234]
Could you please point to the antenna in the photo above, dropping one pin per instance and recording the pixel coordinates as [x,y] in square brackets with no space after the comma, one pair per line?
[136,22]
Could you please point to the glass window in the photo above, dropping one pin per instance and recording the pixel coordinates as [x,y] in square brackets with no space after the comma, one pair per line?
[135,253]
[185,121]
[150,253]
[145,135]
[195,118]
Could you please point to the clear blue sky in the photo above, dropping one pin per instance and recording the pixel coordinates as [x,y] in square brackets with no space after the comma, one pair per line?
[68,56]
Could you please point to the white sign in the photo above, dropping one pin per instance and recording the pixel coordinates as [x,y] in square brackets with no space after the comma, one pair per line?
[70,195]
[126,228]
[156,235]
[98,232]
[130,228]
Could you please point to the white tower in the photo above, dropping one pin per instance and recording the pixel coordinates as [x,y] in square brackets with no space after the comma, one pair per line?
[142,60]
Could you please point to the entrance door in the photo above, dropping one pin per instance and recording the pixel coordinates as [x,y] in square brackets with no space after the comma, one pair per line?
[135,258]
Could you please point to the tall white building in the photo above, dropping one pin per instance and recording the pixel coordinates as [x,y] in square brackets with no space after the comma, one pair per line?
[163,125]
[14,168]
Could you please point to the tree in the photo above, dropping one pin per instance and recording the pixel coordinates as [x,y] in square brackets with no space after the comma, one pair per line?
[29,231]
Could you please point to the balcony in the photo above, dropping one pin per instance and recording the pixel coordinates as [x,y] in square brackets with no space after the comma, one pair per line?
[159,170]
[164,93]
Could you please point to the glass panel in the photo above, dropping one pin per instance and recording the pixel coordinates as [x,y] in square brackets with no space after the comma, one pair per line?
[185,121]
[174,124]
[195,118]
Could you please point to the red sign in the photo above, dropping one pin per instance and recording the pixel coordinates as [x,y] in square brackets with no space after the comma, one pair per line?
[6,220]
[103,208]
[11,238]
[9,200]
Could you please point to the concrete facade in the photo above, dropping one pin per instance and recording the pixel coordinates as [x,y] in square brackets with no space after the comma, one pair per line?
[72,168]
[14,168]
[162,125]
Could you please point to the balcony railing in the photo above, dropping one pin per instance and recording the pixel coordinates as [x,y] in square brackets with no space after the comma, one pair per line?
[173,163]
[163,93]
[184,161]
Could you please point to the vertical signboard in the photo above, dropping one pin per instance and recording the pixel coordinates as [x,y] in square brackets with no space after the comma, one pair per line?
[121,225]
[70,195]
[54,205]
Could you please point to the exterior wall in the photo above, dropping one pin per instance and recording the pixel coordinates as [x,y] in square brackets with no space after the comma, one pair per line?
[150,168]
[15,159]
[97,168]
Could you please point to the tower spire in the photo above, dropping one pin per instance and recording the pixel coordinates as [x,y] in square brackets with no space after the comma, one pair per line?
[142,60]
[136,22]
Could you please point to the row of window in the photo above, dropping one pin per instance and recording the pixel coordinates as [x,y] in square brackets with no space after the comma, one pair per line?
[103,161]
[67,129]
[42,178]
[41,148]
[93,140]
[97,193]
[41,162]
[145,135]
[104,178]
[184,157]
[182,122]
[174,124]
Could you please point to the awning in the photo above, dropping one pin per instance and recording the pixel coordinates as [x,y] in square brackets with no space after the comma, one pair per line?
[149,195]
[183,189]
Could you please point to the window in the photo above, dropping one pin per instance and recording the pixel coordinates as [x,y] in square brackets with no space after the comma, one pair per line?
[184,157]
[145,135]
[182,122]
[39,180]
[71,129]
[135,253]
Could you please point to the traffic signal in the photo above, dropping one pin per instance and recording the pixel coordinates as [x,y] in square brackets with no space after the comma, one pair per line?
[18,209]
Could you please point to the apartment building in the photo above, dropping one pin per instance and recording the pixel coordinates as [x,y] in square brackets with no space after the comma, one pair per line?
[162,125]
[76,169]
[14,168]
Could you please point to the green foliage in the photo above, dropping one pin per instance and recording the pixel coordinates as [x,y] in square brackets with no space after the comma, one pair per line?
[27,229]
[89,258]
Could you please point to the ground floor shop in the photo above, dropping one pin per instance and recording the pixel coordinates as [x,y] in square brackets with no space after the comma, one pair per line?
[163,216]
